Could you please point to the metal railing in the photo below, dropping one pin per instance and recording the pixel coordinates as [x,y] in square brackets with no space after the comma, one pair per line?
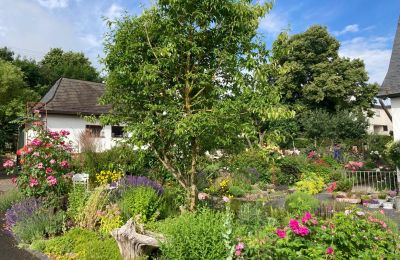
[373,181]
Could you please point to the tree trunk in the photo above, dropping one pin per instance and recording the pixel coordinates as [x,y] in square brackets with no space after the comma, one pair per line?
[193,186]
[133,245]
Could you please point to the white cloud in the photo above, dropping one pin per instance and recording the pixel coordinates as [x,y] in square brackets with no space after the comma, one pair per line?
[349,28]
[91,40]
[374,51]
[31,31]
[114,11]
[53,3]
[273,24]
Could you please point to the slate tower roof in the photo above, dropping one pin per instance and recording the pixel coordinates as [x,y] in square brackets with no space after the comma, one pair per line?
[75,97]
[391,84]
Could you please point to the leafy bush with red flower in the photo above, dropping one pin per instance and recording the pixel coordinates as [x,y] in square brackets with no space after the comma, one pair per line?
[45,163]
[352,234]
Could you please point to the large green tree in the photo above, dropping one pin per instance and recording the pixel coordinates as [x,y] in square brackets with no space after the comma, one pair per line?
[312,75]
[14,93]
[57,63]
[182,77]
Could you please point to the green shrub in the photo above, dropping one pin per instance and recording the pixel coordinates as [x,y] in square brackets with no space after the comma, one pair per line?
[9,198]
[88,217]
[142,202]
[76,201]
[110,219]
[290,169]
[299,202]
[253,165]
[344,184]
[236,191]
[41,225]
[194,236]
[172,199]
[81,243]
[311,183]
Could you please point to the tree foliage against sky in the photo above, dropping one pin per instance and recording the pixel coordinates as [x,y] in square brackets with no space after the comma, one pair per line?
[313,75]
[188,77]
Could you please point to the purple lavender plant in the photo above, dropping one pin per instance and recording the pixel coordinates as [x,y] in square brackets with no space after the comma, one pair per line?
[20,211]
[130,180]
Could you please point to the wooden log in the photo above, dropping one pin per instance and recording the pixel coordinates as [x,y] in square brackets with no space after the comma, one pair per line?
[133,245]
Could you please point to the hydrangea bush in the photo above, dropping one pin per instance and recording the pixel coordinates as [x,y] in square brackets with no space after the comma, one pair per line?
[45,163]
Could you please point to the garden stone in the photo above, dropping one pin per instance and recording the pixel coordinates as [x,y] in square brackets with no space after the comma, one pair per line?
[133,245]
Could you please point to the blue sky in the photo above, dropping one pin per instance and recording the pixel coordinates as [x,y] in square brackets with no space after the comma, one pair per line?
[365,28]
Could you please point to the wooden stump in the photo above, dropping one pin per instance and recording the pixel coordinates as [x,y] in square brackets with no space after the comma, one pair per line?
[132,244]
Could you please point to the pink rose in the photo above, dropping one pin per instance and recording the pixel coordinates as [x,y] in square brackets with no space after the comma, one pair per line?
[51,180]
[33,182]
[64,132]
[294,224]
[237,253]
[281,233]
[240,246]
[225,199]
[329,251]
[52,161]
[36,142]
[8,164]
[64,164]
[49,170]
[39,165]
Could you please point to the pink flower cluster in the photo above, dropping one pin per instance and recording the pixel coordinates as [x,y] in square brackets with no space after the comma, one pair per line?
[238,249]
[51,180]
[281,233]
[311,154]
[331,187]
[64,164]
[64,132]
[8,164]
[354,166]
[375,220]
[297,229]
[36,142]
[329,251]
[33,182]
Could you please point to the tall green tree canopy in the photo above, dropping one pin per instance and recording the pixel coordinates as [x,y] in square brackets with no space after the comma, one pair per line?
[312,74]
[14,93]
[57,63]
[181,76]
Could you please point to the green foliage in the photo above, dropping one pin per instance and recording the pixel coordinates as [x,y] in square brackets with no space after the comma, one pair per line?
[172,199]
[393,152]
[194,236]
[141,203]
[88,218]
[76,201]
[341,125]
[313,75]
[290,169]
[81,243]
[110,219]
[40,225]
[57,63]
[344,184]
[185,79]
[8,198]
[253,165]
[14,93]
[299,202]
[310,183]
[236,191]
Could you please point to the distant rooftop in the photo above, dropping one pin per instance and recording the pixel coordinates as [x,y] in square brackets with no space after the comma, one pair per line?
[75,97]
[391,84]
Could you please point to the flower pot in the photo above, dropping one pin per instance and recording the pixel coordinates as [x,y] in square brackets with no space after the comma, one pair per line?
[388,205]
[374,205]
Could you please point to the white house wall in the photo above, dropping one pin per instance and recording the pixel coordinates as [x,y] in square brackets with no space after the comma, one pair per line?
[395,102]
[76,125]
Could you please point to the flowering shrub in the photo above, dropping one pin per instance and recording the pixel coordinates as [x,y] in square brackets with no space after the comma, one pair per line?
[349,235]
[110,219]
[311,183]
[354,166]
[136,181]
[44,163]
[106,177]
[20,211]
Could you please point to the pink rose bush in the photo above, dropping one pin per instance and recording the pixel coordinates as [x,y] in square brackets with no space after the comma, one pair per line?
[354,166]
[45,163]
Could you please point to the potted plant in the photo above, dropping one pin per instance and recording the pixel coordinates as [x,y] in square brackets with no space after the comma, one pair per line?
[374,204]
[382,197]
[392,195]
[365,199]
